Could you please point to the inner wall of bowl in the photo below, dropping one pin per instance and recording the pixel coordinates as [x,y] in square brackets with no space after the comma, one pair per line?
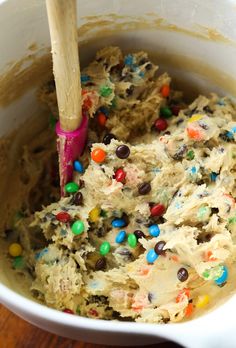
[198,60]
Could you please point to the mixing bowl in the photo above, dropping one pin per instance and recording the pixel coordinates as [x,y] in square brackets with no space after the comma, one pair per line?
[195,41]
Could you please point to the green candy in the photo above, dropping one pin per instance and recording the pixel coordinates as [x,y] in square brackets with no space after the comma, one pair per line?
[105,91]
[132,240]
[190,155]
[105,248]
[165,112]
[103,213]
[77,227]
[78,310]
[18,262]
[71,187]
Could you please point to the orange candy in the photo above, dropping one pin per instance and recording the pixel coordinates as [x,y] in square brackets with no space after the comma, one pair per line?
[98,155]
[181,294]
[101,119]
[189,310]
[194,133]
[165,91]
[208,256]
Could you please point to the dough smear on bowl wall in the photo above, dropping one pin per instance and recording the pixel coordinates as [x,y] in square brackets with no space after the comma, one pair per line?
[145,233]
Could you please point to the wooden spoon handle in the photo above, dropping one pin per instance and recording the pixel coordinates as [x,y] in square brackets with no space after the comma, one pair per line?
[63,31]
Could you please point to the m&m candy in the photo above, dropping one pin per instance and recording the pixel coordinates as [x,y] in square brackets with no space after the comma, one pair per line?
[120,175]
[98,155]
[71,187]
[15,249]
[223,278]
[157,210]
[154,230]
[78,167]
[77,227]
[151,256]
[120,237]
[105,248]
[132,240]
[118,223]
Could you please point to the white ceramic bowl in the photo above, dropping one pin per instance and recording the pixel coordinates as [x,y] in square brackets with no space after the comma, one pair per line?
[196,43]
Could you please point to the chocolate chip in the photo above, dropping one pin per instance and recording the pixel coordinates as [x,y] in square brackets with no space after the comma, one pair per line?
[139,234]
[144,188]
[130,90]
[148,66]
[125,218]
[180,152]
[150,297]
[108,138]
[179,122]
[100,264]
[208,109]
[143,61]
[214,210]
[122,151]
[182,274]
[159,248]
[77,199]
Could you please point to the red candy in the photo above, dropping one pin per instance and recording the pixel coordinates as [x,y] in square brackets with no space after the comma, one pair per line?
[161,124]
[165,91]
[63,216]
[181,294]
[101,119]
[93,312]
[157,210]
[67,310]
[120,175]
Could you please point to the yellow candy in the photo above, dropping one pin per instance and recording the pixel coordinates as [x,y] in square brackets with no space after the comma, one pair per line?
[195,118]
[15,249]
[94,214]
[202,301]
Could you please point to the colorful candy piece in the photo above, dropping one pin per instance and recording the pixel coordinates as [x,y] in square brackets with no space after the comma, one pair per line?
[157,210]
[18,262]
[78,167]
[132,240]
[195,118]
[175,109]
[68,311]
[85,78]
[223,278]
[144,188]
[100,264]
[161,124]
[165,91]
[118,223]
[129,60]
[159,248]
[122,151]
[108,138]
[202,301]
[78,227]
[190,155]
[139,234]
[120,237]
[78,199]
[189,310]
[94,214]
[105,248]
[105,91]
[63,216]
[165,112]
[182,294]
[195,133]
[15,249]
[98,155]
[213,176]
[104,110]
[71,187]
[182,274]
[151,256]
[101,118]
[154,230]
[120,175]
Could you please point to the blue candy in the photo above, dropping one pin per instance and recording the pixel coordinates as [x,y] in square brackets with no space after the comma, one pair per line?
[78,167]
[222,279]
[84,78]
[213,176]
[229,135]
[117,223]
[129,60]
[154,230]
[193,170]
[151,256]
[120,237]
[233,129]
[104,110]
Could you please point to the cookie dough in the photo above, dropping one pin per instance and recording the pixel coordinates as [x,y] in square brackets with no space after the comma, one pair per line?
[147,229]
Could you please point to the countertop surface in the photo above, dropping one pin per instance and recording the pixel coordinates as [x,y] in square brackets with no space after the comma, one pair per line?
[17,333]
